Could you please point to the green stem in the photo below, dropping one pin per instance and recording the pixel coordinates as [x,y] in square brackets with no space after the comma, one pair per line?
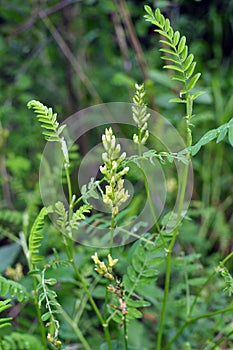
[165,297]
[189,108]
[112,228]
[187,294]
[224,261]
[81,197]
[42,328]
[226,337]
[190,320]
[194,319]
[228,257]
[76,330]
[168,259]
[92,302]
[125,333]
[110,252]
[70,254]
[200,291]
[148,193]
[68,183]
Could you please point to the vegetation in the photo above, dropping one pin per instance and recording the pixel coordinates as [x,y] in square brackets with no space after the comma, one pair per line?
[86,271]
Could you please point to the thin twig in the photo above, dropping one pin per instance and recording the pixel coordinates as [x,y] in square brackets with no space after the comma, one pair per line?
[37,15]
[69,55]
[135,44]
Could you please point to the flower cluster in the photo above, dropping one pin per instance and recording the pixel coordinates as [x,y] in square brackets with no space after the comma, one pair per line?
[115,194]
[140,115]
[54,341]
[102,269]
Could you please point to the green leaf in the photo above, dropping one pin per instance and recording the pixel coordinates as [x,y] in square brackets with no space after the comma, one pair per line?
[193,81]
[138,303]
[221,135]
[51,281]
[150,273]
[184,53]
[158,15]
[5,322]
[161,32]
[209,136]
[148,10]
[172,59]
[176,38]
[167,24]
[198,281]
[3,288]
[230,135]
[195,149]
[188,61]
[170,52]
[178,78]
[197,94]
[136,263]
[133,313]
[35,236]
[117,345]
[190,70]
[15,289]
[141,253]
[131,274]
[8,255]
[127,283]
[171,66]
[181,45]
[170,32]
[167,43]
[45,316]
[177,100]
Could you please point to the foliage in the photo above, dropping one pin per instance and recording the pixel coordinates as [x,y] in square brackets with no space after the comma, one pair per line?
[14,289]
[65,300]
[35,236]
[18,341]
[5,321]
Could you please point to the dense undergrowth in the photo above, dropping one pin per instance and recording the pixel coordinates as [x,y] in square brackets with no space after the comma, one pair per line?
[171,288]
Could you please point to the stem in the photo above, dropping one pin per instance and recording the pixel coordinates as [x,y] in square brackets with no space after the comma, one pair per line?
[42,328]
[189,108]
[194,319]
[68,183]
[110,252]
[148,192]
[165,297]
[190,320]
[92,302]
[168,260]
[187,294]
[125,333]
[200,291]
[226,337]
[81,197]
[224,261]
[76,330]
[112,234]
